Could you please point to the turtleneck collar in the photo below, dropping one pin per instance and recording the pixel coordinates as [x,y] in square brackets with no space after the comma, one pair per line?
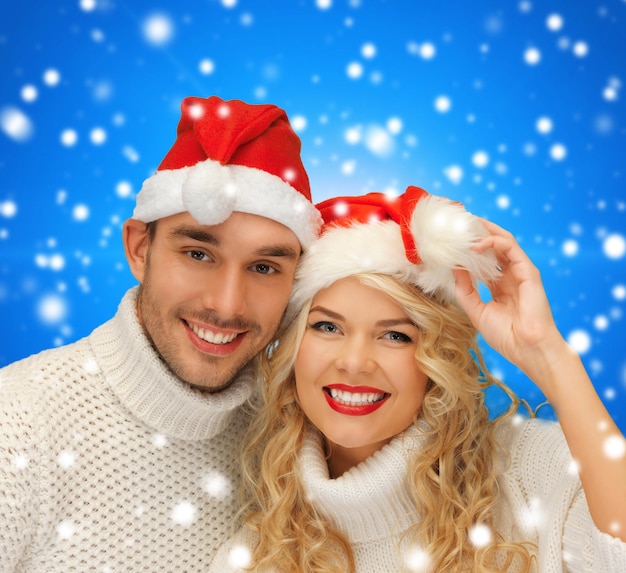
[148,389]
[370,500]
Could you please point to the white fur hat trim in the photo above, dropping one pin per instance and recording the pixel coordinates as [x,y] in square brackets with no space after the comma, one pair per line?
[444,234]
[210,192]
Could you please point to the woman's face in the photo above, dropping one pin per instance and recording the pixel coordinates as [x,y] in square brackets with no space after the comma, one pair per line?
[356,375]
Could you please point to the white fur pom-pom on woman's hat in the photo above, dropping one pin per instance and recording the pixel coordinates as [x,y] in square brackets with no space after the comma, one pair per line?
[416,237]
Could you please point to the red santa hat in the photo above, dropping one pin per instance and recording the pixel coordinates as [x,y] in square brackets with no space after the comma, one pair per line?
[232,156]
[416,237]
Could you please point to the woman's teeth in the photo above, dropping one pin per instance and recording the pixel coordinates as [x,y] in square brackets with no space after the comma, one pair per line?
[355,398]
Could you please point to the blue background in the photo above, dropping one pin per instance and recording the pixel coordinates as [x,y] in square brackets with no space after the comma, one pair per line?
[89,101]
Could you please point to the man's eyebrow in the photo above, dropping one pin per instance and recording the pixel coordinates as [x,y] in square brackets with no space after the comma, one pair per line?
[277,251]
[202,236]
[195,234]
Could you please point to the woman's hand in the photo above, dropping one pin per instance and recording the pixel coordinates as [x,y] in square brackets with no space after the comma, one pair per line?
[517,322]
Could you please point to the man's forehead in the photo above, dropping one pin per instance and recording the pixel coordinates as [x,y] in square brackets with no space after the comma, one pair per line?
[271,237]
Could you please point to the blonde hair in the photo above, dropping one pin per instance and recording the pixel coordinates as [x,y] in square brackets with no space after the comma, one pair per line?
[452,480]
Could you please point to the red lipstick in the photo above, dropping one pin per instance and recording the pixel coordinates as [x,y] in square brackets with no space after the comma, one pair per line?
[350,409]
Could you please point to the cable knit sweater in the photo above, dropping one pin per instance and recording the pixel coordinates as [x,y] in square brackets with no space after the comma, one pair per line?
[109,463]
[541,501]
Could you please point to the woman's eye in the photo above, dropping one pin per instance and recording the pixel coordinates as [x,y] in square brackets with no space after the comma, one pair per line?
[398,337]
[324,327]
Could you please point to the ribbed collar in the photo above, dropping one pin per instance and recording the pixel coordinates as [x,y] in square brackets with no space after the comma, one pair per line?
[150,391]
[370,500]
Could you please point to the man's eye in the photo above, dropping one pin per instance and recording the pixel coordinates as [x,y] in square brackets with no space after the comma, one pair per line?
[263,269]
[198,255]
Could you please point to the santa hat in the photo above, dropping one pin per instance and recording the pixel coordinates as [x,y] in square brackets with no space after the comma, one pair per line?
[416,237]
[232,156]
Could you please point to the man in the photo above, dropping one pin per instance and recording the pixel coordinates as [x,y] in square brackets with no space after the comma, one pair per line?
[119,452]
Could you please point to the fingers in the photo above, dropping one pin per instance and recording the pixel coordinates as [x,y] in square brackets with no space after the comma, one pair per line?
[516,267]
[504,245]
[495,229]
[467,297]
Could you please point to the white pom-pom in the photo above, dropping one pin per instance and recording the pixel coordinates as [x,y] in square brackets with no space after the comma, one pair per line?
[209,193]
[444,234]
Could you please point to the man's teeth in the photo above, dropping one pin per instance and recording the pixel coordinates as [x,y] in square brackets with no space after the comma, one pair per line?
[218,338]
[355,398]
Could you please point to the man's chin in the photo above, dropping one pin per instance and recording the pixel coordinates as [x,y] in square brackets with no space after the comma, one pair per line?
[210,389]
[216,383]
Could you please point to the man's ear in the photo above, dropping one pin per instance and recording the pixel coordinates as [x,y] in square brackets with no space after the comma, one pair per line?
[136,243]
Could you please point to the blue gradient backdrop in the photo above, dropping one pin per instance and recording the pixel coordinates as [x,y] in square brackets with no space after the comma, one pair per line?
[515,108]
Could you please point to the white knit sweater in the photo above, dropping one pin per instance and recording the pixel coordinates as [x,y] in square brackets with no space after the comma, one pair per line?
[542,501]
[109,463]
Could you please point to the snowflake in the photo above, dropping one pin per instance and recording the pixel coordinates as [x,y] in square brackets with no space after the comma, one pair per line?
[480,535]
[66,529]
[184,513]
[217,485]
[239,556]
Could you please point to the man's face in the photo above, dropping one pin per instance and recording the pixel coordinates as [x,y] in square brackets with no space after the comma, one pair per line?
[211,297]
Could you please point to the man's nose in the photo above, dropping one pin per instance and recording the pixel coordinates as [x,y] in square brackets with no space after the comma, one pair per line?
[226,292]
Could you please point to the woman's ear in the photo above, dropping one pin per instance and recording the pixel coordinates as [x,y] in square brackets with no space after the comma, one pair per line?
[136,240]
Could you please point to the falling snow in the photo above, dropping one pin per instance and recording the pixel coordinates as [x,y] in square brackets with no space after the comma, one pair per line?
[8,209]
[614,447]
[20,461]
[51,309]
[480,159]
[443,104]
[554,22]
[80,213]
[239,556]
[207,66]
[354,70]
[558,152]
[158,29]
[454,173]
[184,513]
[66,459]
[480,535]
[66,529]
[580,341]
[532,56]
[417,560]
[69,137]
[16,124]
[614,246]
[544,125]
[518,112]
[533,515]
[216,485]
[159,441]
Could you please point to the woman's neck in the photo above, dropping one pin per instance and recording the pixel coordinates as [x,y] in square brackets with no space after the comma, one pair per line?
[341,459]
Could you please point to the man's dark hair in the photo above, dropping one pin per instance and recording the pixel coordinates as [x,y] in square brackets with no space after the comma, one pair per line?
[151,228]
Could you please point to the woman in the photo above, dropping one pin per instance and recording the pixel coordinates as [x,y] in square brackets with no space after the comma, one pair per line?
[373,449]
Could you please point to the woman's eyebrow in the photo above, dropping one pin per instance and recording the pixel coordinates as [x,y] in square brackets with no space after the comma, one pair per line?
[395,322]
[385,322]
[327,312]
